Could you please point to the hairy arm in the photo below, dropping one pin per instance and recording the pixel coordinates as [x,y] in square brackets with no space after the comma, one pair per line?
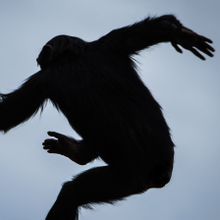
[167,28]
[19,105]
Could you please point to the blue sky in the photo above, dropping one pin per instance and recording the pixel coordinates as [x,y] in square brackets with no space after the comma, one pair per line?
[187,88]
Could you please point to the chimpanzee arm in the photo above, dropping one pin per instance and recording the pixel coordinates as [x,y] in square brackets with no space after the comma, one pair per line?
[143,34]
[167,28]
[19,105]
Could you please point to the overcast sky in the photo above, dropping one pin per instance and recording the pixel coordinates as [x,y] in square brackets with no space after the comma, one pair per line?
[187,88]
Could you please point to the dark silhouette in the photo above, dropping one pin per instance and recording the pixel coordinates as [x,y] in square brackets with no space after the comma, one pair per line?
[96,87]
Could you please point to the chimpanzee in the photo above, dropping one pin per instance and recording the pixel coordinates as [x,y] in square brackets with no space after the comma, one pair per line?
[96,86]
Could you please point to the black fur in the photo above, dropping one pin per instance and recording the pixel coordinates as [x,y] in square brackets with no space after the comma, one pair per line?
[97,88]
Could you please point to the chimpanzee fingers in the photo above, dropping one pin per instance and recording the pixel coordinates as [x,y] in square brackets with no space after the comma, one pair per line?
[54,151]
[51,151]
[196,35]
[205,39]
[206,51]
[203,44]
[209,47]
[196,53]
[177,48]
[50,143]
[56,135]
[204,47]
[53,146]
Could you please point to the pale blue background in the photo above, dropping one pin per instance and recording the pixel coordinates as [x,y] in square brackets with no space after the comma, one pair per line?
[187,88]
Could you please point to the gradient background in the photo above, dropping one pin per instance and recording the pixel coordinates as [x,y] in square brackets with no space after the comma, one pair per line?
[187,88]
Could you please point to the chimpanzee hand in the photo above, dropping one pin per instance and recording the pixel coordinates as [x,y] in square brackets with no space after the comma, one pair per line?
[63,145]
[193,42]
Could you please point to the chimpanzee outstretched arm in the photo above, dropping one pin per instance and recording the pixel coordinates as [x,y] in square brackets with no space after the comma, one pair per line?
[150,31]
[21,104]
[140,35]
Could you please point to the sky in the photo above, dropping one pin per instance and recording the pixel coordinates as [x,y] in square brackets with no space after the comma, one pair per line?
[186,87]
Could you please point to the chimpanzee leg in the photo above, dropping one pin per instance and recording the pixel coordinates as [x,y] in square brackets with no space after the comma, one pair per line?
[97,185]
